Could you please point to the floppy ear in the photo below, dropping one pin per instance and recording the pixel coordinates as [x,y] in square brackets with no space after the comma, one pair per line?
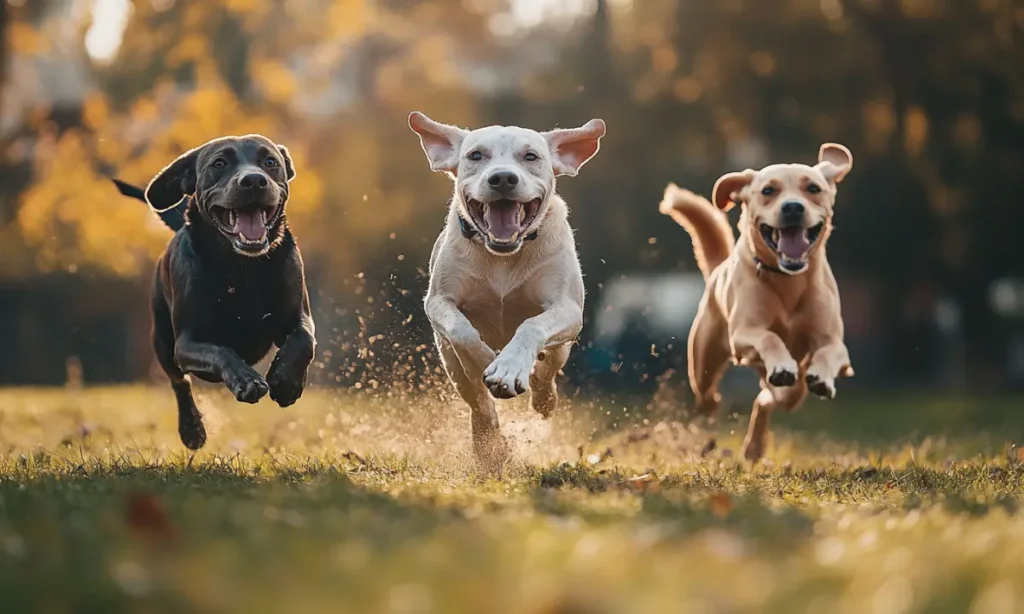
[572,147]
[834,162]
[289,166]
[170,185]
[731,188]
[440,142]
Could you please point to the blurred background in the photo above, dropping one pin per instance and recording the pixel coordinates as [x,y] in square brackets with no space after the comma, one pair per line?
[928,94]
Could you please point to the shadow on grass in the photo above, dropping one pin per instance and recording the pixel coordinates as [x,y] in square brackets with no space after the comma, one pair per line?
[99,536]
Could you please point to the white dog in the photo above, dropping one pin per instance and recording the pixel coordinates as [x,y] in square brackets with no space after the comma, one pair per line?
[504,274]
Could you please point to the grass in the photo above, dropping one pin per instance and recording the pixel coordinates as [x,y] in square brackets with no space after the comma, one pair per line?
[350,504]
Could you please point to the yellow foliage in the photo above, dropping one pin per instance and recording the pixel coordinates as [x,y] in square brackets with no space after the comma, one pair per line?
[24,39]
[74,219]
[274,80]
[95,111]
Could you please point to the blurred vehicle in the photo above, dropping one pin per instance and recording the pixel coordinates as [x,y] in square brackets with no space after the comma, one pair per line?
[640,328]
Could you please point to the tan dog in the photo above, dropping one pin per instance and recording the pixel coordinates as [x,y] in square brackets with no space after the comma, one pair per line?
[504,274]
[771,300]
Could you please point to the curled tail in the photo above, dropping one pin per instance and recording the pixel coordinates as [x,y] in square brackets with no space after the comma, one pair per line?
[173,217]
[707,226]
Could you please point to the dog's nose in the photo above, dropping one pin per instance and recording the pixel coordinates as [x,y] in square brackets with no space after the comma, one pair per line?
[503,181]
[254,181]
[792,211]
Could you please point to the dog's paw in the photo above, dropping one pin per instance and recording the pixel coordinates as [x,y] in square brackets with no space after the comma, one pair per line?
[543,398]
[823,387]
[783,374]
[191,430]
[509,375]
[249,387]
[285,387]
[753,450]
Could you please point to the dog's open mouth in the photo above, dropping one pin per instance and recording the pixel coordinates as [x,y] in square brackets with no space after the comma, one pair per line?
[503,223]
[792,245]
[248,226]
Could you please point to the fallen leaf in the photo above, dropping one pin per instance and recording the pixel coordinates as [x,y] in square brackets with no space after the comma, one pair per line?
[352,456]
[648,483]
[145,516]
[721,504]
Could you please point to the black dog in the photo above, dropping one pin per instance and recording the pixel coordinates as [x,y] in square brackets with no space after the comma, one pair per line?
[231,282]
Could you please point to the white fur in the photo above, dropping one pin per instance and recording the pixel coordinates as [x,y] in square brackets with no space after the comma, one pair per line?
[524,303]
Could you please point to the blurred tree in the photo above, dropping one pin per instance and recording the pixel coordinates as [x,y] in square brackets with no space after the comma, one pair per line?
[928,95]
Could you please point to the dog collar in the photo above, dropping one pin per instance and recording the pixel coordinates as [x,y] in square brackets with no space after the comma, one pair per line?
[469,232]
[761,265]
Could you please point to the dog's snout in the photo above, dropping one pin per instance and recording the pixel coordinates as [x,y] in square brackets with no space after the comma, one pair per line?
[254,181]
[792,211]
[503,181]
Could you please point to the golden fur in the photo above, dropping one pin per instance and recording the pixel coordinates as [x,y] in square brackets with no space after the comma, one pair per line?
[771,301]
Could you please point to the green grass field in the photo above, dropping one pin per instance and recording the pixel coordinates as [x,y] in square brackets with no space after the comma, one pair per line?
[346,504]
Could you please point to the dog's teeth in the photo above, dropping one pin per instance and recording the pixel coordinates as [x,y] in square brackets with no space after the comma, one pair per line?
[522,213]
[775,235]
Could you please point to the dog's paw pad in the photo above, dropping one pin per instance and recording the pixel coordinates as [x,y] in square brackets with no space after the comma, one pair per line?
[501,389]
[284,391]
[505,379]
[782,376]
[250,390]
[821,387]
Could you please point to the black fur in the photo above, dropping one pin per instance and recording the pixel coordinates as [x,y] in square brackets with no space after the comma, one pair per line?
[218,303]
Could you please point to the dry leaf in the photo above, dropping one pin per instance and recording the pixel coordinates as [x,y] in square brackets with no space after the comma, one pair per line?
[648,483]
[721,504]
[145,516]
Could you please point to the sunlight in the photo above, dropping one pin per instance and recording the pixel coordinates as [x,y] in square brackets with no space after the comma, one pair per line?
[528,14]
[109,19]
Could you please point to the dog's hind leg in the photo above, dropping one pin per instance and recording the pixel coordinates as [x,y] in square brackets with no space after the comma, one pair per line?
[490,447]
[768,400]
[190,421]
[708,358]
[543,391]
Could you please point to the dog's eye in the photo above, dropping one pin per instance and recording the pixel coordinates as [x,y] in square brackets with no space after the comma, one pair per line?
[220,163]
[767,190]
[270,163]
[813,188]
[531,157]
[475,156]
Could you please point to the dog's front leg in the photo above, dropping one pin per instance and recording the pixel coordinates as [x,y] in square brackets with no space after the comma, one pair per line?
[452,325]
[287,374]
[509,375]
[827,363]
[751,345]
[464,356]
[215,363]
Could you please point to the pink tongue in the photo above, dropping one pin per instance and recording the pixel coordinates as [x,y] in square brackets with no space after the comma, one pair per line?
[793,242]
[502,219]
[249,224]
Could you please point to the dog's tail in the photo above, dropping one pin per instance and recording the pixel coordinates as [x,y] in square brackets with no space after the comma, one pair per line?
[173,217]
[707,226]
